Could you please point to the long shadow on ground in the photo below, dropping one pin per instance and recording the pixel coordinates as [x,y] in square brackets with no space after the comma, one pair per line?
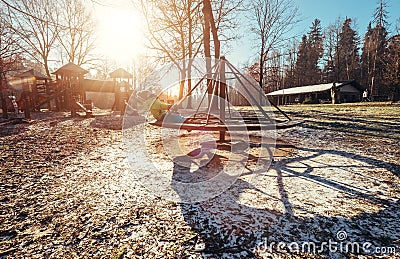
[229,227]
[387,128]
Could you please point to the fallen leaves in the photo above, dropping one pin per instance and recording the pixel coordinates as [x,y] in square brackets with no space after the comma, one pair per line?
[67,191]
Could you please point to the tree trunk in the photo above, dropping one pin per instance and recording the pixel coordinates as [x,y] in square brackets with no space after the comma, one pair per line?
[182,80]
[183,67]
[189,85]
[3,103]
[395,97]
[3,85]
[190,50]
[261,79]
[27,104]
[207,12]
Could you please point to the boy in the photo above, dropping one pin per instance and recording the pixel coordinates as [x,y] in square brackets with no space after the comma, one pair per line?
[158,108]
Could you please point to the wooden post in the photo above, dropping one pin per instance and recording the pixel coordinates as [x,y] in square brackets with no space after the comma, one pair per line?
[27,105]
[335,94]
[81,90]
[35,93]
[65,96]
[222,95]
[3,98]
[117,97]
[72,105]
[48,93]
[57,90]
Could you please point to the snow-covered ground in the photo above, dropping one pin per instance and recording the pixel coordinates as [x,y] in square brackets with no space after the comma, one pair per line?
[67,191]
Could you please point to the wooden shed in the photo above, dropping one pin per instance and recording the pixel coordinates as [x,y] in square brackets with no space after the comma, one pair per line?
[348,91]
[36,86]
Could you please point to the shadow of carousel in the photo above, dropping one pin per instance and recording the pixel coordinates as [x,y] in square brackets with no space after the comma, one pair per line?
[305,199]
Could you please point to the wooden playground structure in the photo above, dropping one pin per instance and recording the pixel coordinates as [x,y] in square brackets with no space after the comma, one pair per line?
[68,92]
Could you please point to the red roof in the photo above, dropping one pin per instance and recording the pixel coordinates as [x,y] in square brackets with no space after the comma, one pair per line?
[120,73]
[70,69]
[35,73]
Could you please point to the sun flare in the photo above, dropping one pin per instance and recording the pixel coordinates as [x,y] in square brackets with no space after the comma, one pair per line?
[120,34]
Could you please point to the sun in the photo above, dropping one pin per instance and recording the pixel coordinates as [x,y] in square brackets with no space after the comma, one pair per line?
[120,34]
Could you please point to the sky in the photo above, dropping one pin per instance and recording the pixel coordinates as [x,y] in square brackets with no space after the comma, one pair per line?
[328,12]
[126,41]
[119,30]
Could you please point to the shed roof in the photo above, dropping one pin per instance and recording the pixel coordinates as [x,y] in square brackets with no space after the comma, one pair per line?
[35,73]
[70,69]
[313,88]
[120,73]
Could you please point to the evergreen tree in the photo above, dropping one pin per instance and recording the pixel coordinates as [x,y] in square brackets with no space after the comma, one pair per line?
[381,15]
[302,62]
[347,58]
[310,52]
[316,51]
[392,69]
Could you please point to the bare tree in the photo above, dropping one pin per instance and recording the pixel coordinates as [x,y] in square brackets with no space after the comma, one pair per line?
[176,30]
[141,70]
[331,47]
[9,56]
[76,37]
[9,50]
[374,53]
[225,14]
[272,20]
[208,29]
[104,67]
[274,71]
[36,23]
[290,64]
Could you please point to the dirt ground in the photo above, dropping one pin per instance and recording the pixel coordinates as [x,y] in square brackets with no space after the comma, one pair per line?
[67,191]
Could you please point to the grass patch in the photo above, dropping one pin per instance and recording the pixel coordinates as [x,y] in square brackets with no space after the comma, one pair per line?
[371,119]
